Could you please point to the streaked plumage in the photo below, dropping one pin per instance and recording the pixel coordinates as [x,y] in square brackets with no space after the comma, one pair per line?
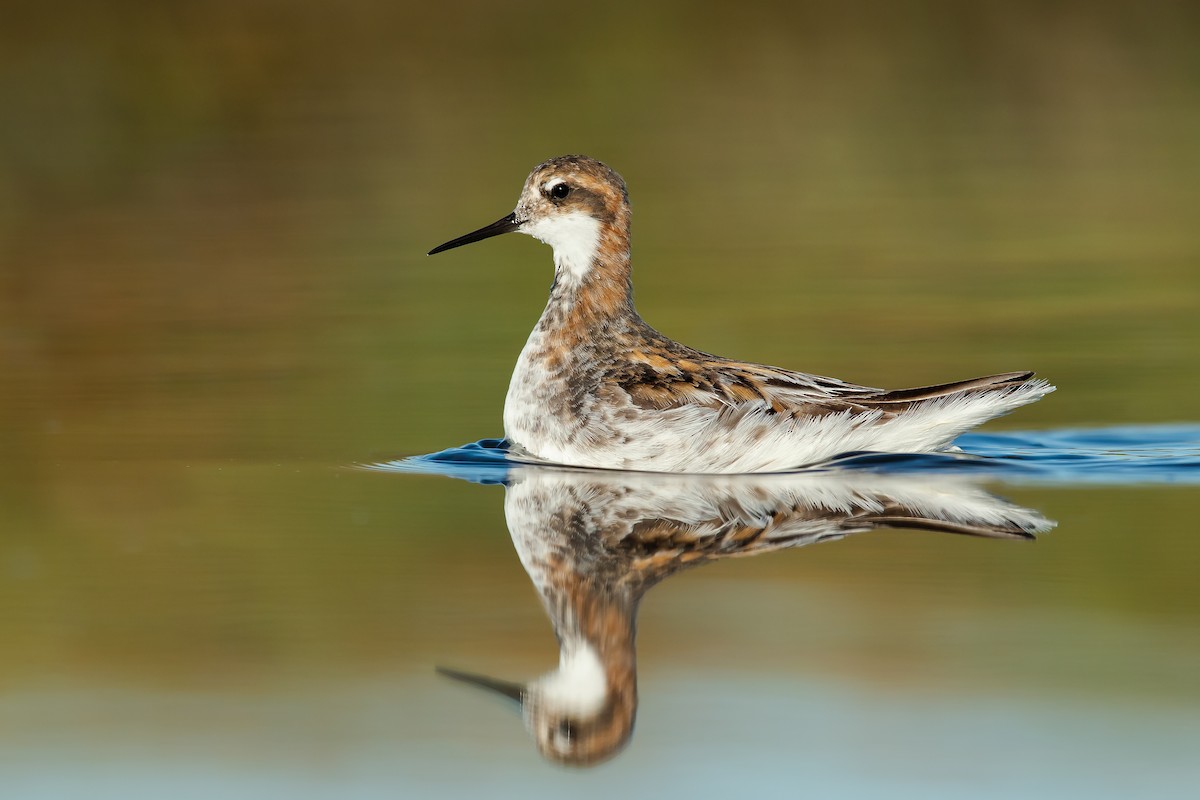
[596,386]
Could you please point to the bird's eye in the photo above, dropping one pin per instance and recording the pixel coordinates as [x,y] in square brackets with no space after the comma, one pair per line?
[566,729]
[559,190]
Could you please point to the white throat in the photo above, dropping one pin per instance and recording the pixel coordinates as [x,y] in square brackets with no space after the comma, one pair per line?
[575,238]
[579,685]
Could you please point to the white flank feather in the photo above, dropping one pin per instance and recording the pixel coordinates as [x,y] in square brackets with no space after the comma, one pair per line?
[750,439]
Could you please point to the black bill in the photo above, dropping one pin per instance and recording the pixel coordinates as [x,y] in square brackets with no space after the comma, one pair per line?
[506,225]
[513,691]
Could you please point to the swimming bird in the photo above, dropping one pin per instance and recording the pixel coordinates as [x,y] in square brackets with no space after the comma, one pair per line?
[596,386]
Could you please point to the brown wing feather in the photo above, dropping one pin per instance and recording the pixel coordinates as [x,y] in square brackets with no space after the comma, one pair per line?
[658,382]
[986,383]
[662,374]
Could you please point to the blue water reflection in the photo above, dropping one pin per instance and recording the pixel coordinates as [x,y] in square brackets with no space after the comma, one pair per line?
[594,541]
[1144,454]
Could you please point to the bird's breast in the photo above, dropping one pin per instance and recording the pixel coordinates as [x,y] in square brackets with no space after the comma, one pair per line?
[545,407]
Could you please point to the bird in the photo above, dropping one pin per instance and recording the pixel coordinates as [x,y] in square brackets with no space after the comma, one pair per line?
[595,541]
[596,386]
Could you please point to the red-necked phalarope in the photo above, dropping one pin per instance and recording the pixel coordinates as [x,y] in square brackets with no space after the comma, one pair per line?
[596,386]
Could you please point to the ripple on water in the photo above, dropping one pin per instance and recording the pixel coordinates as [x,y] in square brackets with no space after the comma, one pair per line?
[1134,454]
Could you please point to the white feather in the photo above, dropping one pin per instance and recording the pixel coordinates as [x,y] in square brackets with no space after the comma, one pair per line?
[574,236]
[749,439]
[578,687]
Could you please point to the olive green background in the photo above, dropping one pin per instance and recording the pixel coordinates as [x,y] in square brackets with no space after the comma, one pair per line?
[214,300]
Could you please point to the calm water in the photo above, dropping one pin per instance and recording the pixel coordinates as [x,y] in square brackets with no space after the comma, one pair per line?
[255,630]
[215,308]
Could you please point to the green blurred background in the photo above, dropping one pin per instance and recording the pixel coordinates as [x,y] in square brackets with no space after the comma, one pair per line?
[214,295]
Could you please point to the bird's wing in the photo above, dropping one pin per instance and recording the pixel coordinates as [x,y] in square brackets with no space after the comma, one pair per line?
[697,379]
[689,378]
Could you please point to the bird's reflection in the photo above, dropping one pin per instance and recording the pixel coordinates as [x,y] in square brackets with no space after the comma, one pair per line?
[594,542]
